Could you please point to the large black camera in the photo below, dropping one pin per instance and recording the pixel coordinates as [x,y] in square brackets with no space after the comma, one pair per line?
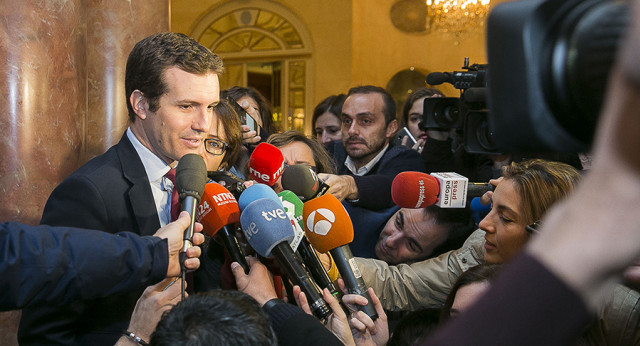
[549,61]
[467,114]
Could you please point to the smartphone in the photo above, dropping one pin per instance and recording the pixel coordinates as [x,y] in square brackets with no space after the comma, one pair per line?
[245,118]
[397,139]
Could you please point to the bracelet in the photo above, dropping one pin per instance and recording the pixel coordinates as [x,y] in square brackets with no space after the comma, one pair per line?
[132,336]
[271,303]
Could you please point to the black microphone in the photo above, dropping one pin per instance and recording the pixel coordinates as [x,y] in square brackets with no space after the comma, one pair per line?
[293,206]
[191,177]
[303,181]
[459,79]
[267,228]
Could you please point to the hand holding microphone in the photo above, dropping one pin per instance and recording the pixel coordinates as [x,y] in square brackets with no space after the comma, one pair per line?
[303,181]
[268,230]
[341,186]
[191,177]
[219,213]
[329,228]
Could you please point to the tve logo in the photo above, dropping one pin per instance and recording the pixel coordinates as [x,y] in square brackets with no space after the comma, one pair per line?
[325,219]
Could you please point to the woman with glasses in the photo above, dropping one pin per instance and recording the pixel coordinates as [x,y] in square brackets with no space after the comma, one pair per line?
[223,142]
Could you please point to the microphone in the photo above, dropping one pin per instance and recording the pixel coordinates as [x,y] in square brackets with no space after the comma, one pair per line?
[218,213]
[254,192]
[459,79]
[293,206]
[230,181]
[329,228]
[266,164]
[191,177]
[303,181]
[445,190]
[267,228]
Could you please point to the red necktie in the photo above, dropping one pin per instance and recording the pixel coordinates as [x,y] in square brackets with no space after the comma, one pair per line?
[175,205]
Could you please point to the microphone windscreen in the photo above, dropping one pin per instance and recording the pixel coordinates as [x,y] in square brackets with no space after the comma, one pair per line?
[254,192]
[327,224]
[191,176]
[414,190]
[217,209]
[437,78]
[265,224]
[293,204]
[301,180]
[266,164]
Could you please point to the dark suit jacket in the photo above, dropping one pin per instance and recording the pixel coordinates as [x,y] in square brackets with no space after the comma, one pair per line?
[57,265]
[110,193]
[374,188]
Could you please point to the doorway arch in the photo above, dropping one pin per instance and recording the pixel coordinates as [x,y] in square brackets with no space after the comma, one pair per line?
[263,45]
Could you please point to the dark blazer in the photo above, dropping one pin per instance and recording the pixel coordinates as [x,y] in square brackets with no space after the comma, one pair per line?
[57,265]
[374,188]
[110,193]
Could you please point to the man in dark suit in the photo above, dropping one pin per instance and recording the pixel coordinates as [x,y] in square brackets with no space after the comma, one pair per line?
[366,160]
[172,86]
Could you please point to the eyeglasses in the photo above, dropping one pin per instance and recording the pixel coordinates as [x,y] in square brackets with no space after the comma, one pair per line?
[313,168]
[215,146]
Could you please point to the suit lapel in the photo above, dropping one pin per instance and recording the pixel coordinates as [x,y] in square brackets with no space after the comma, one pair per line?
[140,196]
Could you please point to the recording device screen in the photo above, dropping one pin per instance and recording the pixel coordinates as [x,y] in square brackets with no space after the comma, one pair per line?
[245,118]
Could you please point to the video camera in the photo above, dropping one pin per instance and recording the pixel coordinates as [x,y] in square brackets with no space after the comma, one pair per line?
[468,113]
[549,62]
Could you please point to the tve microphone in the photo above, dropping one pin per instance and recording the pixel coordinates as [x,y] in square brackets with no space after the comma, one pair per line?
[254,192]
[329,228]
[191,176]
[218,213]
[293,206]
[445,190]
[268,230]
[266,164]
[303,181]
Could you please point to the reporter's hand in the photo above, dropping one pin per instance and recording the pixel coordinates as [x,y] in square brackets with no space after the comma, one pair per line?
[152,304]
[341,186]
[366,331]
[249,136]
[174,233]
[487,196]
[336,322]
[258,283]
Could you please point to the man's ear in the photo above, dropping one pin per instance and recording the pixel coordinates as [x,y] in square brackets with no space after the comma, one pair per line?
[139,104]
[392,128]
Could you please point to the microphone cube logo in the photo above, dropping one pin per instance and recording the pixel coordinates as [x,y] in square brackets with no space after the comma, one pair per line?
[320,221]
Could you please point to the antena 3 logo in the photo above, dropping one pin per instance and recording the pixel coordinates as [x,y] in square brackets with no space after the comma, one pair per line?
[320,221]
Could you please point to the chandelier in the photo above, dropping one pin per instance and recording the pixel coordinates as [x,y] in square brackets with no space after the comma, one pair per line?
[457,16]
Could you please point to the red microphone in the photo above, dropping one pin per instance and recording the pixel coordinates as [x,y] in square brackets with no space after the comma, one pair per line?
[414,190]
[445,190]
[266,164]
[218,213]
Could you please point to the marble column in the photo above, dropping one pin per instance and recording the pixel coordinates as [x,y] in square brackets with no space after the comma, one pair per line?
[113,28]
[62,89]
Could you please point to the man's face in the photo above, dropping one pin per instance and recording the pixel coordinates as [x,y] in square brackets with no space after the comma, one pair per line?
[364,132]
[184,115]
[409,235]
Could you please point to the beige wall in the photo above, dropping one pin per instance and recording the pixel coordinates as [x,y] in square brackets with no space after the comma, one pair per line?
[355,43]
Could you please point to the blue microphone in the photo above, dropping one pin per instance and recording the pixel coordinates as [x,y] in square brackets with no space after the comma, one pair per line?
[268,230]
[254,192]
